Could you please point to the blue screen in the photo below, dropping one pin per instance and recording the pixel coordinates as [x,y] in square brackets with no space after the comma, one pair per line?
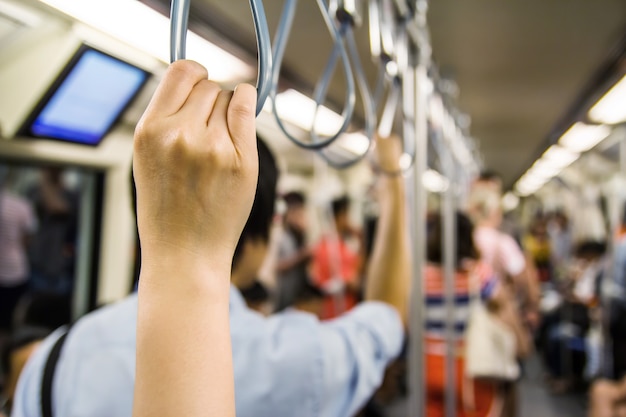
[89,100]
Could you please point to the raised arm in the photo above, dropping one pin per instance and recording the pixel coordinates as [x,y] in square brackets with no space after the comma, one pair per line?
[388,274]
[195,166]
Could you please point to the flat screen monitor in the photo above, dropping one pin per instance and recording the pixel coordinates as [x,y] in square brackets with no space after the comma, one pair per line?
[86,100]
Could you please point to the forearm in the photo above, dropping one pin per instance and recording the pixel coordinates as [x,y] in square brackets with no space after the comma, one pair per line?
[182,325]
[388,274]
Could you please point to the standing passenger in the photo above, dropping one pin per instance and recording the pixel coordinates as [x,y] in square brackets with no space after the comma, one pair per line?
[474,398]
[293,253]
[284,366]
[504,255]
[17,224]
[337,262]
[52,248]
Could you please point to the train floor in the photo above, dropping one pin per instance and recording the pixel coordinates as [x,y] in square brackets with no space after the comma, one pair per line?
[537,401]
[534,397]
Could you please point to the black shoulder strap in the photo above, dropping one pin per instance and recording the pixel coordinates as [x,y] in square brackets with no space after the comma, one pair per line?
[48,376]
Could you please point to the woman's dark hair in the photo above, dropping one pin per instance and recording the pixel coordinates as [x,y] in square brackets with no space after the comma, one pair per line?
[590,248]
[260,221]
[340,205]
[465,248]
[294,198]
[255,293]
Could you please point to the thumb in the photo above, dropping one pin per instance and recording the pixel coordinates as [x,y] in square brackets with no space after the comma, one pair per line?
[241,117]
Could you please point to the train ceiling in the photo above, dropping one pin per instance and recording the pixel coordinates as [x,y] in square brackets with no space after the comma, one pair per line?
[520,64]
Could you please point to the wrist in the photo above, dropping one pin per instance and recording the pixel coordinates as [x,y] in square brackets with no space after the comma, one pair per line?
[180,268]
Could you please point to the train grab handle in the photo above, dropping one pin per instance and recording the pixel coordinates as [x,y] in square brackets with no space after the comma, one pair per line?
[179,19]
[339,51]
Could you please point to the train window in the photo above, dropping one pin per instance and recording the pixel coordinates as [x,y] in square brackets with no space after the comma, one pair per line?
[49,236]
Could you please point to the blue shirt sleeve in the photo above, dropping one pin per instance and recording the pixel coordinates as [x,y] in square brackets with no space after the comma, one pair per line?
[357,348]
[293,365]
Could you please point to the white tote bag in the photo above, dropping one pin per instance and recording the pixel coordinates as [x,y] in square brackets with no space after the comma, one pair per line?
[490,346]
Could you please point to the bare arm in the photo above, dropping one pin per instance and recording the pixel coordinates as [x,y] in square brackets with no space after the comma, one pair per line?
[195,166]
[528,282]
[388,274]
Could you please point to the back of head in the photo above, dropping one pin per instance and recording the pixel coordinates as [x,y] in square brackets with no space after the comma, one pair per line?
[590,249]
[465,248]
[340,205]
[255,293]
[489,179]
[294,199]
[483,203]
[259,223]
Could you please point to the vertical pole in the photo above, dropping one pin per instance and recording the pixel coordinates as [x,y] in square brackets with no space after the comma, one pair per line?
[622,152]
[82,281]
[416,376]
[449,261]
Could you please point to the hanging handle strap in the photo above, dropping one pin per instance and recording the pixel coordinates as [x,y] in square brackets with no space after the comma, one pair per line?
[338,52]
[179,19]
[369,108]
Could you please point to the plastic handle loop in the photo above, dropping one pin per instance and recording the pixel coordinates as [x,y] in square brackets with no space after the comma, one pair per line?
[179,19]
[373,15]
[385,125]
[400,90]
[387,24]
[280,43]
[366,97]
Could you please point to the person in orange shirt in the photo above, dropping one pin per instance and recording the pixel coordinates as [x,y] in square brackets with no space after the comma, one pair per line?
[337,263]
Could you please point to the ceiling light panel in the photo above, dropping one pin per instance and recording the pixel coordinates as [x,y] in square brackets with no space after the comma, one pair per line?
[611,108]
[582,137]
[119,19]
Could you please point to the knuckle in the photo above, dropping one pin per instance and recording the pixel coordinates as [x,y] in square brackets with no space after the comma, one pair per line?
[187,69]
[241,111]
[142,135]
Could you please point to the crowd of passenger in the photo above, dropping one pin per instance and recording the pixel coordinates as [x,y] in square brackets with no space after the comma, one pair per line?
[38,238]
[328,338]
[561,298]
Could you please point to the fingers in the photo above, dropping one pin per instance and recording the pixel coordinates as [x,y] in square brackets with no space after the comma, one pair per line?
[218,119]
[201,101]
[175,87]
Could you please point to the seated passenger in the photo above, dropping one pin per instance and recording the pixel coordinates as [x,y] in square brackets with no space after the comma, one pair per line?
[563,336]
[284,366]
[608,399]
